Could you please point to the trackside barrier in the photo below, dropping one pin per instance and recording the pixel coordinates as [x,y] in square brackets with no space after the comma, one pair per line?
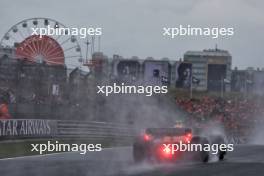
[237,140]
[37,128]
[70,129]
[93,129]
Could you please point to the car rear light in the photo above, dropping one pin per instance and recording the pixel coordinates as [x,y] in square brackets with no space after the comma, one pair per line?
[147,137]
[188,137]
[165,152]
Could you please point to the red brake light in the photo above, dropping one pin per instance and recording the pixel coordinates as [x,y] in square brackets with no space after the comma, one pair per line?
[167,150]
[147,137]
[188,137]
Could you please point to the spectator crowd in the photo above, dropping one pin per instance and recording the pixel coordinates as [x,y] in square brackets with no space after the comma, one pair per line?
[237,116]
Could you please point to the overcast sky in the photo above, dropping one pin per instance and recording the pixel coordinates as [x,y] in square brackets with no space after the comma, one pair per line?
[134,27]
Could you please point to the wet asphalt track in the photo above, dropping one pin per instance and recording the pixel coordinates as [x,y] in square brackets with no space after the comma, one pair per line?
[246,160]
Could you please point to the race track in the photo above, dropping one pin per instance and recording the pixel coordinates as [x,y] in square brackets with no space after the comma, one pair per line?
[246,160]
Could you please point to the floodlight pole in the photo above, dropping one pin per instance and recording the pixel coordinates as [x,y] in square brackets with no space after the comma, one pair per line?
[191,86]
[87,49]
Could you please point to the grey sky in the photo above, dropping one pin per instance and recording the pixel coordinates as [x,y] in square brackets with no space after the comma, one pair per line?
[134,28]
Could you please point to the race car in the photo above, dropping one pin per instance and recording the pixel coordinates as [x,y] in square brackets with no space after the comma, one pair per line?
[159,144]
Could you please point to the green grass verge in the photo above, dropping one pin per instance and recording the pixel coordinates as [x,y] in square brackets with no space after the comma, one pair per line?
[10,149]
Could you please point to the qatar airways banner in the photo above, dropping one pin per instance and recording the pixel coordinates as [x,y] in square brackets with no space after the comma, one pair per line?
[27,128]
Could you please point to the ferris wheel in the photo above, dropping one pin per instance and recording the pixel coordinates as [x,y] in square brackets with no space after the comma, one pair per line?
[51,49]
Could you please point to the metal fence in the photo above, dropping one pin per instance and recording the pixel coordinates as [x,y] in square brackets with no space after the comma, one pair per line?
[70,129]
[37,128]
[90,129]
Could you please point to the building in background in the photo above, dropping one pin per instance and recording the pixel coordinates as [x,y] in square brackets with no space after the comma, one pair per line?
[258,82]
[147,71]
[248,81]
[7,52]
[98,65]
[157,72]
[239,80]
[211,67]
[126,70]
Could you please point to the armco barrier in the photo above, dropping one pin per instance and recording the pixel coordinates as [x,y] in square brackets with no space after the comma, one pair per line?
[27,128]
[37,128]
[70,129]
[84,129]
